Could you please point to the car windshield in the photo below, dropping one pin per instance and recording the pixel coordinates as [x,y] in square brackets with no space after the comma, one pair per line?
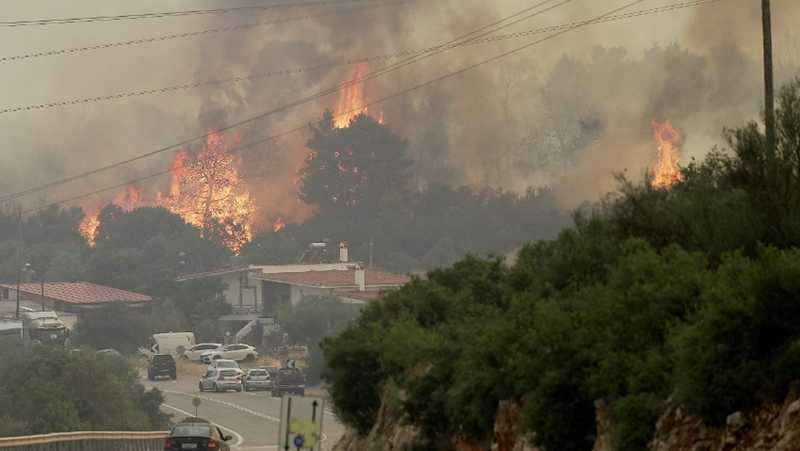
[162,358]
[258,373]
[192,430]
[290,372]
[227,365]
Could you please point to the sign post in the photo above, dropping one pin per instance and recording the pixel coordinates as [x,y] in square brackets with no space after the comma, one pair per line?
[301,423]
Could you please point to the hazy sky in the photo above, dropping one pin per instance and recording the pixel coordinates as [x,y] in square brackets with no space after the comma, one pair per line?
[49,144]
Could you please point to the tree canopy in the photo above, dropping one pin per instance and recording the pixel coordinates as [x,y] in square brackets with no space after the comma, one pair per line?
[689,291]
[352,165]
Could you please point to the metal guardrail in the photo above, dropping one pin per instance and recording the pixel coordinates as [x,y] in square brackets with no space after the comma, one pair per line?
[87,441]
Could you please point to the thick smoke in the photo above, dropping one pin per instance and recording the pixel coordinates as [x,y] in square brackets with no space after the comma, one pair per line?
[568,112]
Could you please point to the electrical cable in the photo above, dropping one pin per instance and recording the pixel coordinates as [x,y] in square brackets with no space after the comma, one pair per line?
[416,52]
[600,19]
[285,107]
[198,33]
[73,20]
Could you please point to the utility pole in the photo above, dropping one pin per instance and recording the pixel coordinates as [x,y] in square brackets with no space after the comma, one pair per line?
[769,94]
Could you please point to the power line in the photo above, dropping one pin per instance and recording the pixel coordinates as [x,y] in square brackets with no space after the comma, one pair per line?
[196,33]
[600,19]
[285,107]
[73,20]
[416,52]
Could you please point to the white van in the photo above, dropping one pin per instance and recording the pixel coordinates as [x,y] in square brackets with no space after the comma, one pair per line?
[169,343]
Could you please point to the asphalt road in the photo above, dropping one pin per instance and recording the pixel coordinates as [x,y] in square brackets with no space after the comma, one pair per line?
[251,418]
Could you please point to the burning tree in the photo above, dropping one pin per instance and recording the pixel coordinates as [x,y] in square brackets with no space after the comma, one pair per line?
[207,193]
[665,172]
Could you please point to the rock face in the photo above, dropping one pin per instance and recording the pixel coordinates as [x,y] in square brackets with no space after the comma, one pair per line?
[773,427]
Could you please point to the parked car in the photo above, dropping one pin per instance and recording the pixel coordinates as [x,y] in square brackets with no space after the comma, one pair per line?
[288,380]
[161,365]
[257,379]
[270,369]
[196,351]
[221,380]
[199,436]
[237,351]
[225,364]
[109,352]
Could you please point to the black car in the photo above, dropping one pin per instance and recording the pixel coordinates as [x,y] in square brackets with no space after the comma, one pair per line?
[197,436]
[162,365]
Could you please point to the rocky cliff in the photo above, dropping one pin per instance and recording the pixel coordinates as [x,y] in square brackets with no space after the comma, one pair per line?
[773,427]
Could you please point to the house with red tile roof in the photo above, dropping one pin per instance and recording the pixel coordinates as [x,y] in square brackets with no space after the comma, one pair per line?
[259,289]
[354,284]
[73,297]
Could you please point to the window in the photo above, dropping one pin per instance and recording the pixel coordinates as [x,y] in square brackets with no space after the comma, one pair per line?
[192,431]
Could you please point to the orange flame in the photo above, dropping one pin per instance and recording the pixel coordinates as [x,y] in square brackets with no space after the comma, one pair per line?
[665,172]
[88,228]
[352,100]
[278,225]
[206,192]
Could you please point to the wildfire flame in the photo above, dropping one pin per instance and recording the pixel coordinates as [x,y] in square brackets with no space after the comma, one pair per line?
[128,199]
[352,99]
[665,171]
[206,192]
[278,225]
[88,228]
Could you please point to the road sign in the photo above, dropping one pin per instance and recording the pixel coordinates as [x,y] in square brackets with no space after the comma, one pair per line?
[301,423]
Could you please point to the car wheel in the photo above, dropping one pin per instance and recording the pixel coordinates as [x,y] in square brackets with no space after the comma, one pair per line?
[217,357]
[151,377]
[245,388]
[173,375]
[302,392]
[238,390]
[201,386]
[216,388]
[249,358]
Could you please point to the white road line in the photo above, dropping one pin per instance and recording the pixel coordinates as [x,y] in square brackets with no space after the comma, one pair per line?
[235,406]
[238,437]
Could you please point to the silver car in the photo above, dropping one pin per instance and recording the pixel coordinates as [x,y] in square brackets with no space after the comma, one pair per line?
[256,380]
[221,380]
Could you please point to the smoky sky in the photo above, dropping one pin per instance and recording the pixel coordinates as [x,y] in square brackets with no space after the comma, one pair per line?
[494,125]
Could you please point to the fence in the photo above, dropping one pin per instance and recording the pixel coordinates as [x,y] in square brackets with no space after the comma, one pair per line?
[87,441]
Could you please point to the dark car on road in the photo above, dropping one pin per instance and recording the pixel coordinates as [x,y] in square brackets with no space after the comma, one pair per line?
[197,436]
[288,380]
[162,365]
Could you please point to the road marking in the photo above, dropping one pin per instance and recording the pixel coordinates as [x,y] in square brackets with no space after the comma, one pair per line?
[235,406]
[238,437]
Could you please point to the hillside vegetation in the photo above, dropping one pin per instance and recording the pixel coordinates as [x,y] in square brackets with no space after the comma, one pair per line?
[692,291]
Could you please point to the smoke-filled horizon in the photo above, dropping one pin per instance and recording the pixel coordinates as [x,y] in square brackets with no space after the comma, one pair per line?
[566,113]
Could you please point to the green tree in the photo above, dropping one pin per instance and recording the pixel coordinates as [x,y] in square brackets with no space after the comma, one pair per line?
[272,248]
[114,325]
[352,165]
[313,318]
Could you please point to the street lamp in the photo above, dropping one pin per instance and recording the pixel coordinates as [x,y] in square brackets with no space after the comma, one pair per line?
[180,263]
[42,290]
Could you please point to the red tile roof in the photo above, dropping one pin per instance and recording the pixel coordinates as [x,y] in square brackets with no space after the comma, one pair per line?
[334,278]
[79,292]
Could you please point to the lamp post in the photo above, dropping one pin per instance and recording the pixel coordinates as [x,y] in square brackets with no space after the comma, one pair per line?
[42,290]
[180,263]
[20,273]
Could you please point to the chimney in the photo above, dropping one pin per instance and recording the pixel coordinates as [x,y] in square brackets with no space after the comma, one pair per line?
[343,252]
[360,276]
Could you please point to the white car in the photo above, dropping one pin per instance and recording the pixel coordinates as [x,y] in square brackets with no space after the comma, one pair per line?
[196,351]
[220,364]
[238,352]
